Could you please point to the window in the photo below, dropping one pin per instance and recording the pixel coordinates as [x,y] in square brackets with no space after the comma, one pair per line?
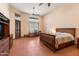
[34,24]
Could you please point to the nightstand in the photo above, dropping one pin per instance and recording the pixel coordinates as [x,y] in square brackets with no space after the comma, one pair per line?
[78,43]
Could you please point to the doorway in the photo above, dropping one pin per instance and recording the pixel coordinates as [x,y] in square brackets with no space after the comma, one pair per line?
[17,28]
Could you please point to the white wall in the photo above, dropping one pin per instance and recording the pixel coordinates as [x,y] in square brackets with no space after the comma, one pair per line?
[23,19]
[4,9]
[24,24]
[9,11]
[63,16]
[41,24]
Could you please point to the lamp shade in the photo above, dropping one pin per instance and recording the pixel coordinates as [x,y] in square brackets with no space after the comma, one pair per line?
[53,30]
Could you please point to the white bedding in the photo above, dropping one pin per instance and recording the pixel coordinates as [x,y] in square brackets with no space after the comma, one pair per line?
[63,38]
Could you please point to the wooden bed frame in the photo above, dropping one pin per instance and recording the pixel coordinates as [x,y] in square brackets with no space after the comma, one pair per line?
[49,40]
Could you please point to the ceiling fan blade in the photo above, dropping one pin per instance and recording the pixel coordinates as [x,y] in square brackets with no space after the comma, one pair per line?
[40,4]
[48,4]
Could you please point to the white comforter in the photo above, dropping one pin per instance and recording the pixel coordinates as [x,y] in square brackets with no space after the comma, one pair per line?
[63,38]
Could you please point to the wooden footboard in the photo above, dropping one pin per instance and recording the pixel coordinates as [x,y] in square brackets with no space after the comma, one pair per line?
[48,40]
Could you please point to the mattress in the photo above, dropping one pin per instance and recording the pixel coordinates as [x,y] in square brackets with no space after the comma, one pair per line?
[62,38]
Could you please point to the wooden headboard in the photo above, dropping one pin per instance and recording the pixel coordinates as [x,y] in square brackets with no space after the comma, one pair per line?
[67,30]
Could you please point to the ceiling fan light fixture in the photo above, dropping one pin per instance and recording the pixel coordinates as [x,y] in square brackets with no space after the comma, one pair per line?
[48,4]
[35,14]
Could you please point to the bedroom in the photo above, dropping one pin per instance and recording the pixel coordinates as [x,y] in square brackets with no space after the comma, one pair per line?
[60,15]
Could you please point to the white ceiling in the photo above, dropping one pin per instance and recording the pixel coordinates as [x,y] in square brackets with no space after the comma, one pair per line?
[28,8]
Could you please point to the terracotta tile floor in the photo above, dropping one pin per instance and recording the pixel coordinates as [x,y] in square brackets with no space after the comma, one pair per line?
[33,47]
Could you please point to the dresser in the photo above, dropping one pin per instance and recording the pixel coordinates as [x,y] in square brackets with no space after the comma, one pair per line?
[78,43]
[4,46]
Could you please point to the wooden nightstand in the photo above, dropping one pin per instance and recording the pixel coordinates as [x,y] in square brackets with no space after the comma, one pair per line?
[78,43]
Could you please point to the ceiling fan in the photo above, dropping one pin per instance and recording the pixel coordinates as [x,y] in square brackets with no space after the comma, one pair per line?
[48,4]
